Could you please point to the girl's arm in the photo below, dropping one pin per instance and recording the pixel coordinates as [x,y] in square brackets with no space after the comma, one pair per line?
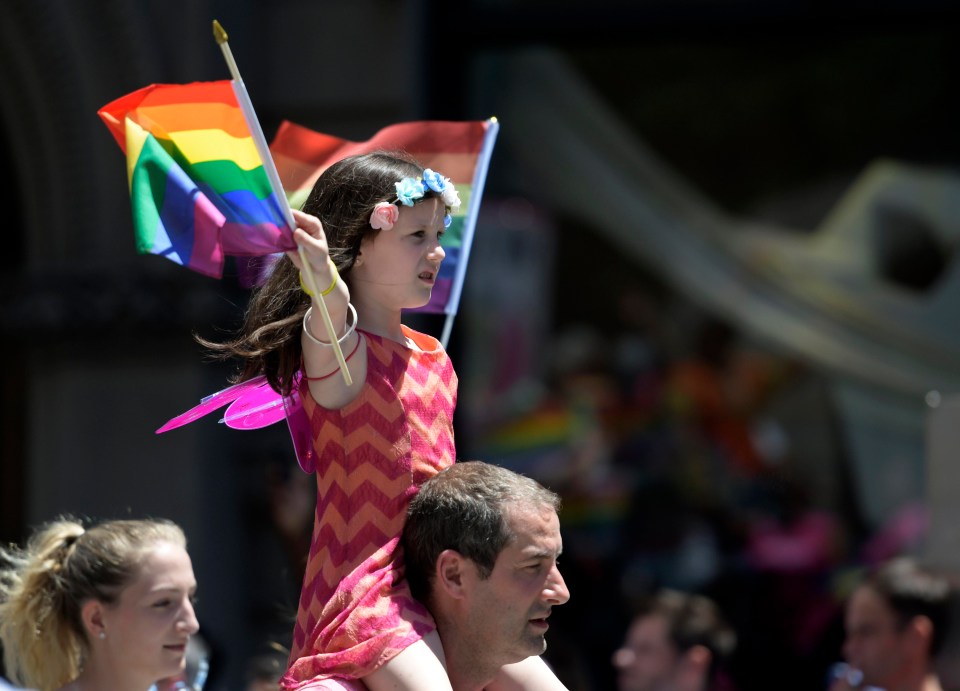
[318,358]
[531,674]
[420,667]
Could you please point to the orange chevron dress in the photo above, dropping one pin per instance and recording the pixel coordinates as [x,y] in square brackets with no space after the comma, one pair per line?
[356,611]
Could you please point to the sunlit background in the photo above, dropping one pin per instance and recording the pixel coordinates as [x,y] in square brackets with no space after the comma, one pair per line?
[712,299]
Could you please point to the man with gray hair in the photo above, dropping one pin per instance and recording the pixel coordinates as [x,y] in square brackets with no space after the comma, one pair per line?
[481,545]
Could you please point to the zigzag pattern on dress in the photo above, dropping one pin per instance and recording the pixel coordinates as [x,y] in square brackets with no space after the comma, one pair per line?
[356,610]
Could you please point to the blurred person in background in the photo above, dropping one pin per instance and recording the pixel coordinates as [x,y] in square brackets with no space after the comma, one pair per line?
[676,642]
[264,672]
[104,609]
[896,622]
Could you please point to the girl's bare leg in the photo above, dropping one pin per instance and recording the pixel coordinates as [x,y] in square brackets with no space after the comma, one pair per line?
[421,667]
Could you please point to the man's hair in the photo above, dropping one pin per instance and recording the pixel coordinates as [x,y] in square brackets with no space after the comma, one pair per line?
[913,590]
[692,620]
[462,508]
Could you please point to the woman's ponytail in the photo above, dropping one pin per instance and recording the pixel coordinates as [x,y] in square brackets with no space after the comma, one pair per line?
[39,621]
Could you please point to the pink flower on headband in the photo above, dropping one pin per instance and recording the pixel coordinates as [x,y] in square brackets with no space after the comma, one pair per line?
[384,216]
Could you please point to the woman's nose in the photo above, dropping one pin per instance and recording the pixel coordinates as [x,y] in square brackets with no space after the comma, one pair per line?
[188,622]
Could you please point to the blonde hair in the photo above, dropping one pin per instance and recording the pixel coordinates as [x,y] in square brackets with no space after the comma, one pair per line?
[44,586]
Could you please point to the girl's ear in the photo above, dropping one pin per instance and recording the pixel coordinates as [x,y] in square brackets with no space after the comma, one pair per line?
[91,614]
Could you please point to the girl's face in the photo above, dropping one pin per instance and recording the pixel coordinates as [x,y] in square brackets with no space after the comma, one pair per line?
[147,629]
[398,267]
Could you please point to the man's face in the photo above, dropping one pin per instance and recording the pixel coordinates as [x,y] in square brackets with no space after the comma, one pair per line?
[507,612]
[648,658]
[874,644]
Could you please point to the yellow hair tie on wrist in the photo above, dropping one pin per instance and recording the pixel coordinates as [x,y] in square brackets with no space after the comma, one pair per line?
[333,283]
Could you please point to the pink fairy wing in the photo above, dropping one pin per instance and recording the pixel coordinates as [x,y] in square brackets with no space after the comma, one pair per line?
[256,408]
[299,425]
[254,404]
[213,402]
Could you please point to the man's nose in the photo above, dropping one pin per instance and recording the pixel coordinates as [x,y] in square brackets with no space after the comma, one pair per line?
[555,589]
[851,650]
[623,657]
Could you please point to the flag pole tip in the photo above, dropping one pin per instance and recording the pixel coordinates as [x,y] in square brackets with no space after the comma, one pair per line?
[219,32]
[493,118]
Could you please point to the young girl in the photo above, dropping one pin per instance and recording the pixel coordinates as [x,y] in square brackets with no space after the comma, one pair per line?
[104,609]
[371,228]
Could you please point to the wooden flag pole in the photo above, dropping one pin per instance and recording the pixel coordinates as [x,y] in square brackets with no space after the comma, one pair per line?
[243,98]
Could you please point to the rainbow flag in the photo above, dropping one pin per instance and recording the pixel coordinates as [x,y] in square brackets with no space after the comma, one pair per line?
[458,150]
[198,187]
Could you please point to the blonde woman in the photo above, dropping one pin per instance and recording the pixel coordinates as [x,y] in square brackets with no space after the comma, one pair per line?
[108,608]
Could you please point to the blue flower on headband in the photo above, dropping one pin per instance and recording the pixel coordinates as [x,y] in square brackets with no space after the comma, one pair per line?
[434,181]
[408,191]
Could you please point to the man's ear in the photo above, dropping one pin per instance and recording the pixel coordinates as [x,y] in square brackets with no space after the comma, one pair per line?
[91,614]
[920,629]
[699,656]
[451,566]
[694,668]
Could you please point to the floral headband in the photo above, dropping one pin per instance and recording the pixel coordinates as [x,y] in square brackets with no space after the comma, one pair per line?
[385,214]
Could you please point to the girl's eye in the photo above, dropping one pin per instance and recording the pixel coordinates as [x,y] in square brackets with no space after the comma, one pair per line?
[161,603]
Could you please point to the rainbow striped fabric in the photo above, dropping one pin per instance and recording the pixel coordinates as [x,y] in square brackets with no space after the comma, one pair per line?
[458,150]
[197,184]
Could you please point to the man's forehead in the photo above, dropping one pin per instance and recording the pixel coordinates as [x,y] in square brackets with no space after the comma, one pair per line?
[867,607]
[535,529]
[649,628]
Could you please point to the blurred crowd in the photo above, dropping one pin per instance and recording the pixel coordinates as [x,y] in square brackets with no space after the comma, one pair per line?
[703,464]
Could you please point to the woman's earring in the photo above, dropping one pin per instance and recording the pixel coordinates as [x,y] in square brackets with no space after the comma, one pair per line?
[102,635]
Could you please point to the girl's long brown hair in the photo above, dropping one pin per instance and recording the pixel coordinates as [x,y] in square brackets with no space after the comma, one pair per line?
[343,198]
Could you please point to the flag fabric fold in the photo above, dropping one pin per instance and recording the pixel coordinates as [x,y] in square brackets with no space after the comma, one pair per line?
[198,188]
[458,150]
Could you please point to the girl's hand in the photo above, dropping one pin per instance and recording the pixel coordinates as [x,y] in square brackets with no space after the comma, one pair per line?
[309,235]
